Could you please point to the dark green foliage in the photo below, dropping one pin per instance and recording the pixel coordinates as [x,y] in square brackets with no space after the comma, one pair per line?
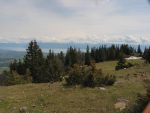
[34,61]
[18,66]
[88,80]
[87,56]
[126,50]
[108,80]
[13,65]
[146,55]
[104,53]
[61,56]
[13,78]
[71,57]
[122,64]
[88,77]
[42,70]
[54,66]
[21,69]
[128,65]
[139,51]
[103,80]
[75,76]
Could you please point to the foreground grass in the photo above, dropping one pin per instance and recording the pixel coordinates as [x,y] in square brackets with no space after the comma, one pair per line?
[55,98]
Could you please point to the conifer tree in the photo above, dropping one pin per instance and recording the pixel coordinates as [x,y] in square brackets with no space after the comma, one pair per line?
[121,63]
[71,57]
[13,66]
[87,56]
[21,69]
[54,66]
[139,51]
[34,61]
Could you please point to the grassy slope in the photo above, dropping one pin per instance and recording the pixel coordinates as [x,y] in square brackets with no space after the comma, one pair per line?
[39,98]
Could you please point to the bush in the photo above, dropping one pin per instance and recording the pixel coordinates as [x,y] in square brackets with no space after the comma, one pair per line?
[129,65]
[80,75]
[122,64]
[88,80]
[74,76]
[13,78]
[109,80]
[88,77]
[105,80]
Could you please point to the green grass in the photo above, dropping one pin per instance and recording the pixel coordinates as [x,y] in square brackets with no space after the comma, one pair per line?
[65,100]
[109,67]
[40,98]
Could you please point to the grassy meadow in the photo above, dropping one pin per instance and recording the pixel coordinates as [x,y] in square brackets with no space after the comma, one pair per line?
[55,98]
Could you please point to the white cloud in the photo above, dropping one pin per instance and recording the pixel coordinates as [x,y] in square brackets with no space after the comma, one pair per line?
[72,20]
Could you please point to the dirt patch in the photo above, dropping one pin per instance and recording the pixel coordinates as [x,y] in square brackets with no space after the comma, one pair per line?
[121,104]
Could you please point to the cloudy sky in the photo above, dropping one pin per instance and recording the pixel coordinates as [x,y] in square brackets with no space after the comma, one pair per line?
[75,20]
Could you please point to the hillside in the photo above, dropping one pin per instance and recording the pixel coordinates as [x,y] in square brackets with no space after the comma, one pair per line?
[55,98]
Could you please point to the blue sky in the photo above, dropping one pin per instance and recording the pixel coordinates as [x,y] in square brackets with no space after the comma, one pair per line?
[75,20]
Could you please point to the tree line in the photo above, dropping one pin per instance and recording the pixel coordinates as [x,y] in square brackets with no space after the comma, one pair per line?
[54,66]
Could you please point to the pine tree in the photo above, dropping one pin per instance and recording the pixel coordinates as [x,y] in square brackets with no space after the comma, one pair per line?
[54,67]
[13,66]
[121,63]
[34,61]
[71,57]
[61,56]
[21,69]
[145,53]
[139,51]
[87,57]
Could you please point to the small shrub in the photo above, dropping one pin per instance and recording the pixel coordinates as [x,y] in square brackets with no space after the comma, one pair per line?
[129,65]
[13,78]
[122,64]
[106,80]
[109,80]
[88,77]
[88,80]
[74,76]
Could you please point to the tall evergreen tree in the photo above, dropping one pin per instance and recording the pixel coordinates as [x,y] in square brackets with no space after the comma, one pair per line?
[54,66]
[71,57]
[34,61]
[61,56]
[13,66]
[139,51]
[145,53]
[21,69]
[121,63]
[87,56]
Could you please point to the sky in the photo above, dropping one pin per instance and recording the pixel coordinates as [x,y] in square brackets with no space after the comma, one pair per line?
[92,21]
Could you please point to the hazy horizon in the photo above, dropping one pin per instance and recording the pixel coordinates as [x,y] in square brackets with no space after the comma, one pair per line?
[57,47]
